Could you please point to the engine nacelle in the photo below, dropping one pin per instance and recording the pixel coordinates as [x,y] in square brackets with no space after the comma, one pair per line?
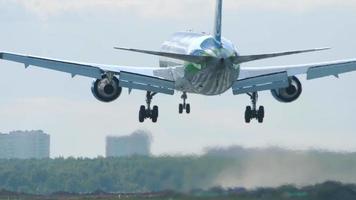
[105,90]
[289,94]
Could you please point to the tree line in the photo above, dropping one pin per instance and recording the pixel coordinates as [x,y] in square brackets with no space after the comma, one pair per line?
[233,167]
[134,174]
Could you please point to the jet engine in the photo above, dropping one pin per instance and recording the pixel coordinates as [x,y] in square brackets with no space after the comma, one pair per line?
[106,90]
[289,94]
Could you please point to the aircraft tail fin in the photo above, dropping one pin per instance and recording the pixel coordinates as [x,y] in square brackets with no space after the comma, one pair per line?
[218,20]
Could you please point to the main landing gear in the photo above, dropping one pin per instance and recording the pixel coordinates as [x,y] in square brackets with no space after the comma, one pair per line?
[147,112]
[252,112]
[184,106]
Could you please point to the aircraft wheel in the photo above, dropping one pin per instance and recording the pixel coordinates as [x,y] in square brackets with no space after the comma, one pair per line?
[248,114]
[181,108]
[187,108]
[155,114]
[261,114]
[262,111]
[142,114]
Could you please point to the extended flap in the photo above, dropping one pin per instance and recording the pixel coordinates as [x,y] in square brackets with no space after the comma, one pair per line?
[261,83]
[141,82]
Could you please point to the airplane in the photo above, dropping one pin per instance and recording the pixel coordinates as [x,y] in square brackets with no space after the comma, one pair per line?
[196,63]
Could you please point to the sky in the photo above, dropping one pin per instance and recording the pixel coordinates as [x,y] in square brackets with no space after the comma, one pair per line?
[87,31]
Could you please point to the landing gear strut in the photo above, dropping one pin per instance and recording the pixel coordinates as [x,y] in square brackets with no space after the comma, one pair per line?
[252,112]
[147,112]
[184,106]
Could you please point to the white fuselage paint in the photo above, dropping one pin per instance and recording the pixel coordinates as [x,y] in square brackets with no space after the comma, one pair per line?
[211,78]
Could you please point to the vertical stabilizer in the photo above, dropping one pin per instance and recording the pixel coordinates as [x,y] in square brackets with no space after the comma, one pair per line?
[218,19]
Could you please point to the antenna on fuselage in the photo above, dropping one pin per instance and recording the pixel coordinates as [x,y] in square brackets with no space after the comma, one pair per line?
[218,20]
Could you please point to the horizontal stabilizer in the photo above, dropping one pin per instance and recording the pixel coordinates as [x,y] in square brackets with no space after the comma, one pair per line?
[249,58]
[183,57]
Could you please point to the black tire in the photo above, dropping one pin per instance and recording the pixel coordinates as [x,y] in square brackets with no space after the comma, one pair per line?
[155,111]
[248,113]
[181,108]
[261,110]
[261,114]
[155,114]
[187,108]
[142,114]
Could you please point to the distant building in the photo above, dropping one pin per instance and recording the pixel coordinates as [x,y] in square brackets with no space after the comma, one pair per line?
[24,145]
[138,143]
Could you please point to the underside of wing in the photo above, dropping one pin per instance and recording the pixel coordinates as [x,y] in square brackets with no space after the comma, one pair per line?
[82,69]
[313,71]
[254,79]
[140,78]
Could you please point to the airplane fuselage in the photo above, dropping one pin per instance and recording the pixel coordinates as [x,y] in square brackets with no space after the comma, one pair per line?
[209,78]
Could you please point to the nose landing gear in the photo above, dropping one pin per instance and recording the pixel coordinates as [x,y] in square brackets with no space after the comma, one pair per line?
[184,106]
[147,112]
[252,112]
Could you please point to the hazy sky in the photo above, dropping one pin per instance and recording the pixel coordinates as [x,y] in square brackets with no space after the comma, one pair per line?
[86,30]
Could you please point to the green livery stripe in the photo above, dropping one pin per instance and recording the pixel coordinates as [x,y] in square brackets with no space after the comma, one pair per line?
[192,68]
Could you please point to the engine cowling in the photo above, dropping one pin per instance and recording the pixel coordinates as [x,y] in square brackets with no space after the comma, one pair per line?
[105,90]
[289,94]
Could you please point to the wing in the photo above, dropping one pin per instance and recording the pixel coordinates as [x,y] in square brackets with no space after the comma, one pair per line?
[141,78]
[253,79]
